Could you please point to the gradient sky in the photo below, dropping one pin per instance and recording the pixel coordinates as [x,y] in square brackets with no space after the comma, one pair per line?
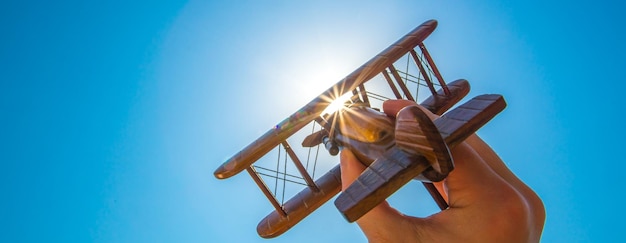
[114,114]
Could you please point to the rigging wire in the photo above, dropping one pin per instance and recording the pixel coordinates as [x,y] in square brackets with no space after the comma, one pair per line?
[376,96]
[284,180]
[315,161]
[430,70]
[407,68]
[277,168]
[308,157]
[292,181]
[281,173]
[417,89]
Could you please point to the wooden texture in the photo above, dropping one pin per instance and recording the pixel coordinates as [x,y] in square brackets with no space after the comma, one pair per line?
[397,167]
[440,103]
[307,201]
[416,134]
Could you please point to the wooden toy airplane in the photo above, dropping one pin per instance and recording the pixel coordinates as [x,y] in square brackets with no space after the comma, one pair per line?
[396,150]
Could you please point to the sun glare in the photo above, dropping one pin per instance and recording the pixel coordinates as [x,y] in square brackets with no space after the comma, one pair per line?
[337,104]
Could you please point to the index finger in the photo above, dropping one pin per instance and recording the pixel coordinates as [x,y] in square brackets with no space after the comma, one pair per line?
[392,107]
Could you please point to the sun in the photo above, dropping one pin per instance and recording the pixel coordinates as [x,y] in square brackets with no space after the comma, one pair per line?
[337,104]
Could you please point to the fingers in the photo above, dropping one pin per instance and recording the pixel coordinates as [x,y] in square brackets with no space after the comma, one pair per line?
[391,107]
[497,165]
[472,181]
[482,204]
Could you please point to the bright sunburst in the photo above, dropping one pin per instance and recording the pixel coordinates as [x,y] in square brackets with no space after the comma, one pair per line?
[337,104]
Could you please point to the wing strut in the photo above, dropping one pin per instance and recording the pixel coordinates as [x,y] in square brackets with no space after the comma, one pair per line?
[423,72]
[301,169]
[434,67]
[406,91]
[363,94]
[393,86]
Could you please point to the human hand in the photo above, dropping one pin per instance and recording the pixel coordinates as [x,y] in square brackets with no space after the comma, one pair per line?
[487,202]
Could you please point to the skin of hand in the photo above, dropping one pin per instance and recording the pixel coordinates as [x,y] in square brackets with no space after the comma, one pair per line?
[487,202]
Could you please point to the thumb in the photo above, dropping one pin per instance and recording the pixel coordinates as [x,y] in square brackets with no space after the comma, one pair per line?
[351,168]
[383,223]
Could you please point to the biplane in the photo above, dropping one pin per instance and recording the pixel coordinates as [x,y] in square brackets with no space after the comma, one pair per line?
[396,150]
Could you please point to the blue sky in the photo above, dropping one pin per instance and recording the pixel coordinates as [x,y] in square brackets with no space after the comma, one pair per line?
[115,114]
